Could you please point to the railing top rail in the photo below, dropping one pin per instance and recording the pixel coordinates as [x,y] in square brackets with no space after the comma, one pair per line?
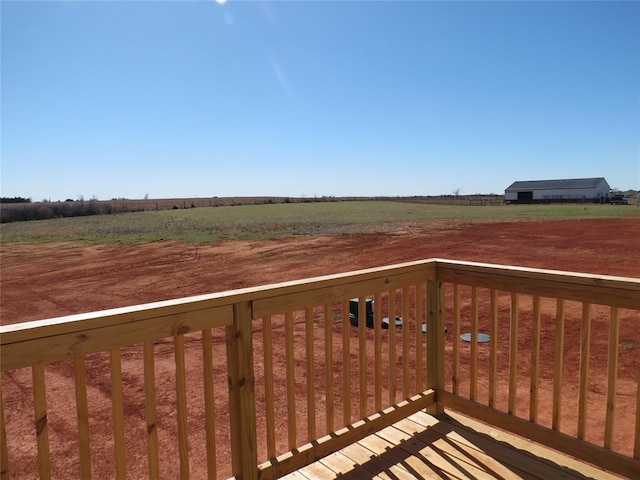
[91,320]
[609,290]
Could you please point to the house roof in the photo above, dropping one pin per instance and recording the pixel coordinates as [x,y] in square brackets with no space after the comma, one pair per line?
[557,184]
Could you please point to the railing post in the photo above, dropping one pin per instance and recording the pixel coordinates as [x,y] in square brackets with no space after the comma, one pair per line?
[242,406]
[435,341]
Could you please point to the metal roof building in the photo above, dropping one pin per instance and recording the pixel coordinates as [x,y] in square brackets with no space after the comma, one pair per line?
[565,190]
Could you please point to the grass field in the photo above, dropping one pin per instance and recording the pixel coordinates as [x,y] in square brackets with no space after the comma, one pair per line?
[206,225]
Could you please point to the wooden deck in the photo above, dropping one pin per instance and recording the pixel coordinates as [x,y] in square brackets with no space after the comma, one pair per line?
[455,447]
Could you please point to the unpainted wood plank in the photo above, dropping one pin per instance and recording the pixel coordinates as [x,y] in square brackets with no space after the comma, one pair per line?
[311,374]
[209,403]
[82,412]
[181,401]
[558,363]
[535,361]
[4,451]
[525,445]
[513,352]
[493,349]
[583,382]
[406,388]
[455,380]
[47,349]
[291,375]
[362,356]
[317,471]
[301,294]
[328,369]
[346,364]
[269,395]
[622,292]
[414,441]
[377,332]
[41,421]
[612,376]
[339,463]
[435,340]
[150,411]
[393,359]
[504,454]
[118,414]
[419,338]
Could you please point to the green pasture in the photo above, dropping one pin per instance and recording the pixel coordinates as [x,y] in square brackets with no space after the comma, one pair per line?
[205,225]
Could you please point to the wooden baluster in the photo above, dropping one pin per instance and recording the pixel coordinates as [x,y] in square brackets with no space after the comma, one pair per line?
[118,414]
[493,350]
[209,403]
[82,410]
[535,361]
[181,400]
[311,375]
[150,411]
[513,353]
[328,367]
[558,363]
[269,396]
[455,378]
[583,387]
[612,376]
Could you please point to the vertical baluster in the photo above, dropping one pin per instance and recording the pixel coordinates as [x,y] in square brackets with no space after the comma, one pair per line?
[455,380]
[346,364]
[4,451]
[493,350]
[377,315]
[269,396]
[558,362]
[636,437]
[535,361]
[150,411]
[311,375]
[291,387]
[419,338]
[405,343]
[392,347]
[118,414]
[583,386]
[82,410]
[362,355]
[209,403]
[612,376]
[473,374]
[513,353]
[181,397]
[328,367]
[42,427]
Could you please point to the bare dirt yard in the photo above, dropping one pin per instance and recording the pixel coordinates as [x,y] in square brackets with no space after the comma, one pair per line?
[47,280]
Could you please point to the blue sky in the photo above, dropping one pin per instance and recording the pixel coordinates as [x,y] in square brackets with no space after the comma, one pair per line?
[112,99]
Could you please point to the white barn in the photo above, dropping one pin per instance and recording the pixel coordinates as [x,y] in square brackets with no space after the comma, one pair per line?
[567,190]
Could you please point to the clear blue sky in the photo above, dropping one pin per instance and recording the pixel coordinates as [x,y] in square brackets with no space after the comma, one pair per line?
[296,98]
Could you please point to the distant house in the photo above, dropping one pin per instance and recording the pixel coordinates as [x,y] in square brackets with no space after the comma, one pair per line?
[567,190]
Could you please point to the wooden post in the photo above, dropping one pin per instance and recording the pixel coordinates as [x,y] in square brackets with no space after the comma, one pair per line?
[242,406]
[435,342]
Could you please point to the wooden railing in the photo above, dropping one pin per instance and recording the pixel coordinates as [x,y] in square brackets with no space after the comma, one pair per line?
[256,383]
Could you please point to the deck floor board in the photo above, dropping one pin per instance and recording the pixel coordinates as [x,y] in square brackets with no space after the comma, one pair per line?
[454,447]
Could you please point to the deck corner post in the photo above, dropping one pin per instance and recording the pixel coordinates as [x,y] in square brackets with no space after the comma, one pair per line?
[242,406]
[435,342]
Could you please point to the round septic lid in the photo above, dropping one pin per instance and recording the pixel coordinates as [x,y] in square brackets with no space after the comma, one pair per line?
[482,337]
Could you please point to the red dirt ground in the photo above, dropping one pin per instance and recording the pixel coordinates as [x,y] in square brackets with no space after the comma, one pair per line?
[40,281]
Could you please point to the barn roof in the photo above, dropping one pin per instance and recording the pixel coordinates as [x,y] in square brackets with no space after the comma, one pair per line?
[557,184]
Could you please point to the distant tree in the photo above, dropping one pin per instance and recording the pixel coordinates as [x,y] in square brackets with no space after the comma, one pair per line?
[457,191]
[15,200]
